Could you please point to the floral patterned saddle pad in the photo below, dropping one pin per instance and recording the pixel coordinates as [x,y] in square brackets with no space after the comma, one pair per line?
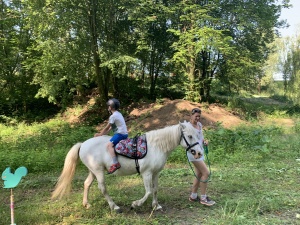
[134,148]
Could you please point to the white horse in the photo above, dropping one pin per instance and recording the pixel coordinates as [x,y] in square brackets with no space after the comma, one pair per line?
[94,155]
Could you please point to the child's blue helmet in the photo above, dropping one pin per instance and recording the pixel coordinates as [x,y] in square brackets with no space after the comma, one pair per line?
[114,103]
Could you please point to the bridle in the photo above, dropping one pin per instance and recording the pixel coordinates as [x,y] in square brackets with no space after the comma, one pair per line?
[188,144]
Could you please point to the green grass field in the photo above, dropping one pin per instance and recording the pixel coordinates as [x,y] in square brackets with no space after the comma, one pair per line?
[255,179]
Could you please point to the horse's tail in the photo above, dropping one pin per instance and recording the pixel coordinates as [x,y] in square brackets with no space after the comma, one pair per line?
[63,185]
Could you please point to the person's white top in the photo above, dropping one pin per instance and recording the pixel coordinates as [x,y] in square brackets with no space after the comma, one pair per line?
[118,123]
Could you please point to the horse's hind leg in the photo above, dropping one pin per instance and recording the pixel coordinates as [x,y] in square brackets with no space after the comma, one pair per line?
[87,184]
[102,187]
[155,189]
[148,188]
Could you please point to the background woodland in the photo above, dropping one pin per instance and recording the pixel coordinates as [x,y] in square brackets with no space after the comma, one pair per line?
[56,53]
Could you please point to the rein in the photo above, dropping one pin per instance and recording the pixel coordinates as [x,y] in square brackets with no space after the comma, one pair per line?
[206,156]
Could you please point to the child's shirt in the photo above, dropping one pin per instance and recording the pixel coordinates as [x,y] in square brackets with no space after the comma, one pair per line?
[117,123]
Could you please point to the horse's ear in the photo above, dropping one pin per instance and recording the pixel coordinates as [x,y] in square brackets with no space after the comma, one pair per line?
[182,125]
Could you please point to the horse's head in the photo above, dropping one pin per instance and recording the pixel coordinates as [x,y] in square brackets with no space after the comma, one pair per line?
[190,138]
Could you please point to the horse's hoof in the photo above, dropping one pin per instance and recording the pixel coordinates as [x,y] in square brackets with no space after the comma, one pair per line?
[158,208]
[87,206]
[119,210]
[133,206]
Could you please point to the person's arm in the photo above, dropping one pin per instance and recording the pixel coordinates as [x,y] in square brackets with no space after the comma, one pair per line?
[205,141]
[105,130]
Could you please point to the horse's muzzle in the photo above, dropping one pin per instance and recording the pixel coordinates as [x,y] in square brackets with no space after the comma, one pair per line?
[196,154]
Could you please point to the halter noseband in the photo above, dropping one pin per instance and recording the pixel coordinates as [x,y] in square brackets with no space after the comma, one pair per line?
[189,146]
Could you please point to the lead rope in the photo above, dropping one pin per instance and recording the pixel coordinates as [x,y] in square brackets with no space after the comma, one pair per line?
[206,156]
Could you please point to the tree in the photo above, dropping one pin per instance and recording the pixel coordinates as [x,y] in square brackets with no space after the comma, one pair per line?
[58,49]
[60,55]
[151,21]
[199,47]
[15,82]
[251,25]
[224,40]
[291,70]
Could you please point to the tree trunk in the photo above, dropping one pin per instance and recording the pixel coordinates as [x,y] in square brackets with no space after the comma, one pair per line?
[152,76]
[101,81]
[203,77]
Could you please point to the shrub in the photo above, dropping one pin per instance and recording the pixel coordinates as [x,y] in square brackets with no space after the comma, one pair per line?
[255,138]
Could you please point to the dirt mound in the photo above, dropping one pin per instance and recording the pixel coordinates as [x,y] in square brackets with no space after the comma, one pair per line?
[150,116]
[170,112]
[145,116]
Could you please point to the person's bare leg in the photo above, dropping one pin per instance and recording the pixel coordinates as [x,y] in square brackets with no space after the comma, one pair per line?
[202,174]
[196,183]
[115,163]
[110,148]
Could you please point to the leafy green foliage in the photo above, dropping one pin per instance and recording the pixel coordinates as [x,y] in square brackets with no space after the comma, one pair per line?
[178,155]
[226,142]
[17,92]
[40,147]
[64,51]
[255,138]
[284,61]
[292,71]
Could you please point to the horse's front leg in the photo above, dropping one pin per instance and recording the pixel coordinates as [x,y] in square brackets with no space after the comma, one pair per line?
[155,190]
[148,190]
[102,187]
[87,184]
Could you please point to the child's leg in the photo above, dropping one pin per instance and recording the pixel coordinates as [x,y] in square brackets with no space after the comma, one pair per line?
[111,150]
[110,146]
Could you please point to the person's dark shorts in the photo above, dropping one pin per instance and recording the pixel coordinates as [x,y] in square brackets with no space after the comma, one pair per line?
[117,138]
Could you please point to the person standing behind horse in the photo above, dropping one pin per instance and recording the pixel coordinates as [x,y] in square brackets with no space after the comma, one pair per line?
[116,123]
[201,169]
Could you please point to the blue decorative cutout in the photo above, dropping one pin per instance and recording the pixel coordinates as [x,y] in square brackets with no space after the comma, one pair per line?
[12,180]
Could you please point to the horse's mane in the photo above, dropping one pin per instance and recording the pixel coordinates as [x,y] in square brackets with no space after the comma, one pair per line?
[165,139]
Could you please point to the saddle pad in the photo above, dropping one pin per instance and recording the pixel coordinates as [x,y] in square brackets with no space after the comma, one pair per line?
[126,147]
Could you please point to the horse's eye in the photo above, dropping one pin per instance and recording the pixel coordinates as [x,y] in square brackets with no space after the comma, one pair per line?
[190,136]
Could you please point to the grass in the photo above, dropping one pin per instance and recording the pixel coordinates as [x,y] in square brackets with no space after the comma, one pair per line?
[255,180]
[246,191]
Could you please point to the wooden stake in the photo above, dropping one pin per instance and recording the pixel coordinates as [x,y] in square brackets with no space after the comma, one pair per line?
[12,219]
